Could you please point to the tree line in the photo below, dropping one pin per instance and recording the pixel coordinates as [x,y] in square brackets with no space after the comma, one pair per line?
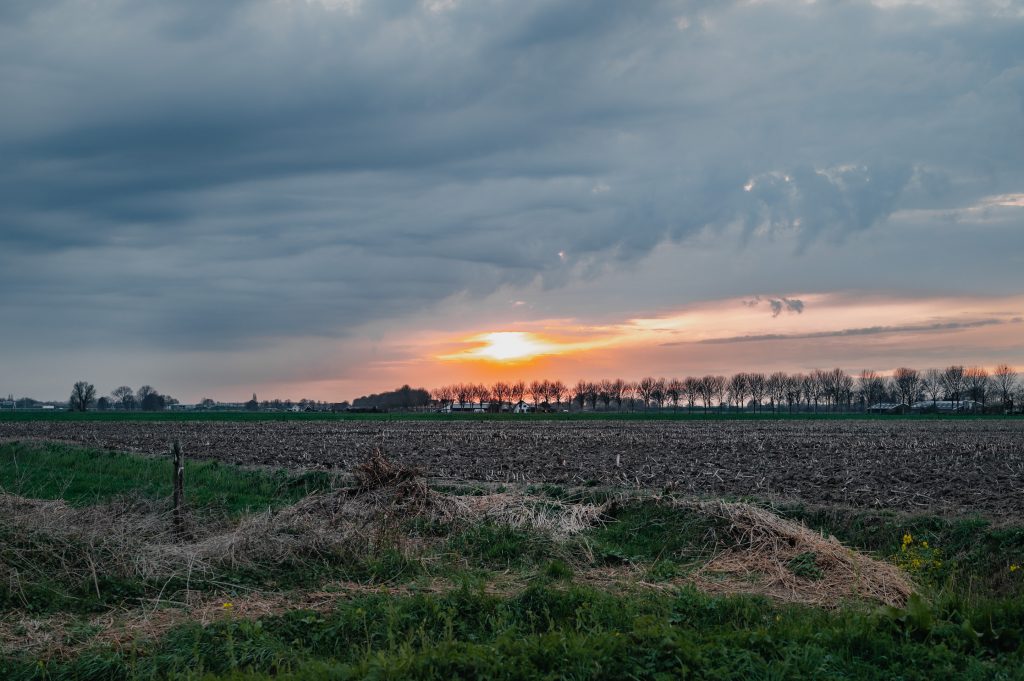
[402,398]
[146,398]
[818,390]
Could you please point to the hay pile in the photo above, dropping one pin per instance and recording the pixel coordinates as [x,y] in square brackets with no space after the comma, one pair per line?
[761,551]
[340,524]
[71,543]
[135,537]
[754,551]
[556,518]
[375,514]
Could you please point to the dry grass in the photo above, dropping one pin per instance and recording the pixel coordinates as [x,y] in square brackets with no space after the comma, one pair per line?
[133,538]
[762,547]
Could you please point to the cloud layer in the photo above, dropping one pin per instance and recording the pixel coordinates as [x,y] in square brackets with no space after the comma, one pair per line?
[200,177]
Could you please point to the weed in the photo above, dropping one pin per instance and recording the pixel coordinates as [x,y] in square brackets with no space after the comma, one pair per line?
[558,570]
[649,531]
[805,565]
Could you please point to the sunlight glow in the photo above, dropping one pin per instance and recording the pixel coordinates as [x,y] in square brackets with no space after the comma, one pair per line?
[509,345]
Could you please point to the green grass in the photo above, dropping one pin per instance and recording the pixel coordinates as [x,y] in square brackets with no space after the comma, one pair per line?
[649,532]
[542,624]
[976,554]
[83,476]
[569,632]
[500,547]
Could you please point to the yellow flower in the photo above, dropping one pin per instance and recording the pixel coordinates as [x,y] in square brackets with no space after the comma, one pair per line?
[924,544]
[1014,567]
[227,606]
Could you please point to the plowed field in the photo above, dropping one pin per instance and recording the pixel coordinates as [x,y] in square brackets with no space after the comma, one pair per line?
[954,466]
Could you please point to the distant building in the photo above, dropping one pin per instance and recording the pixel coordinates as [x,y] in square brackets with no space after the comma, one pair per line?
[522,407]
[947,406]
[467,408]
[887,408]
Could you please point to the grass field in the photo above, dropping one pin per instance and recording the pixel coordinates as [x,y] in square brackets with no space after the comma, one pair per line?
[415,593]
[83,476]
[640,415]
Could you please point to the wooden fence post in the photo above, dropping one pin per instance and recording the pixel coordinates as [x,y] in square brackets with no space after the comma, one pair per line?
[179,488]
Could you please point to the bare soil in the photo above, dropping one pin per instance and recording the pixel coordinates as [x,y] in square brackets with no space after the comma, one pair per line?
[954,467]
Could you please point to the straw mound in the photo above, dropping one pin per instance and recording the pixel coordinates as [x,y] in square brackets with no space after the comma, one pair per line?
[754,550]
[517,510]
[764,549]
[115,537]
[376,514]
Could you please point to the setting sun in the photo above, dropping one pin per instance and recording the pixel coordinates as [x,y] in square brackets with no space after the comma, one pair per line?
[509,345]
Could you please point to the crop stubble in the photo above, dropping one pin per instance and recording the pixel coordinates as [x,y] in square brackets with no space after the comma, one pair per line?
[951,466]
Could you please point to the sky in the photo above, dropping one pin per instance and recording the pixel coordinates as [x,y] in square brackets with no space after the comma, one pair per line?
[325,198]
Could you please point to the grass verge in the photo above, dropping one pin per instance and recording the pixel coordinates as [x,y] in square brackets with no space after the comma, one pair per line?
[569,632]
[388,578]
[81,476]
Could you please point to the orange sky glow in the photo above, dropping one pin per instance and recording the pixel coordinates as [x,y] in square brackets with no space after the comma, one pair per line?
[723,336]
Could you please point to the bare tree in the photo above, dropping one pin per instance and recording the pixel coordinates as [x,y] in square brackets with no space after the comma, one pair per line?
[604,392]
[502,393]
[907,382]
[777,383]
[841,385]
[658,392]
[794,389]
[691,389]
[673,391]
[629,394]
[645,389]
[977,382]
[579,393]
[809,388]
[706,388]
[932,385]
[870,385]
[815,388]
[83,396]
[1005,378]
[757,384]
[953,380]
[616,390]
[739,388]
[482,394]
[464,392]
[145,393]
[538,392]
[517,391]
[593,391]
[444,395]
[124,396]
[558,391]
[718,388]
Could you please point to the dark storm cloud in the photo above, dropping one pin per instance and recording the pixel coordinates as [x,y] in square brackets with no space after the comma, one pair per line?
[234,172]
